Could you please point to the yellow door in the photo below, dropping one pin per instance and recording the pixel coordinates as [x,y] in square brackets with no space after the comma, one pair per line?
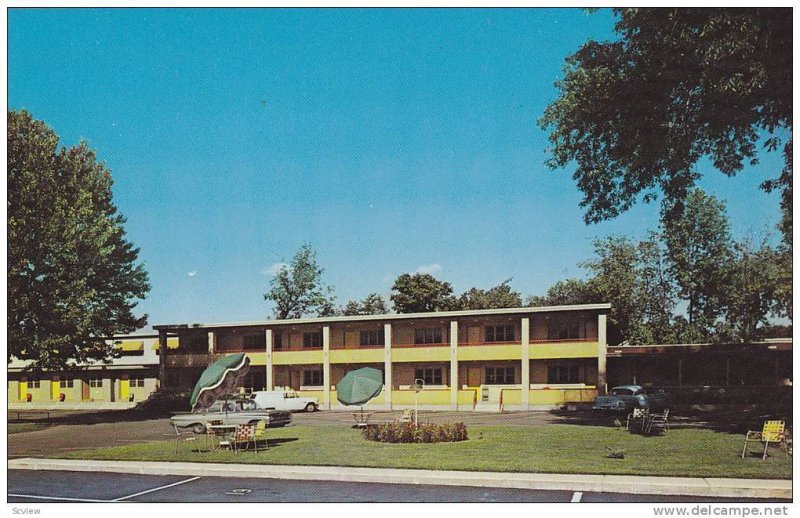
[23,390]
[55,389]
[124,389]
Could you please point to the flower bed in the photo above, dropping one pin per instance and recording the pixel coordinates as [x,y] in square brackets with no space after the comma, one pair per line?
[422,433]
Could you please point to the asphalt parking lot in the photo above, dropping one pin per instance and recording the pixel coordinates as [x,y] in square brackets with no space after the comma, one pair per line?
[86,487]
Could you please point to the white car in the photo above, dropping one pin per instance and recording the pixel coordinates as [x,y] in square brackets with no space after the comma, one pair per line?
[284,400]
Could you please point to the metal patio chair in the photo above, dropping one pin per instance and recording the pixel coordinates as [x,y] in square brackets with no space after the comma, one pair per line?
[772,432]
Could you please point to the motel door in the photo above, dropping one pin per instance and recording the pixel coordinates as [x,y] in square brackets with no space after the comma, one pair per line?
[124,389]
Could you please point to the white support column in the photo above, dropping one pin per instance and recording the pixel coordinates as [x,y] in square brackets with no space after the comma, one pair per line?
[525,378]
[211,342]
[269,379]
[454,365]
[326,367]
[387,365]
[602,384]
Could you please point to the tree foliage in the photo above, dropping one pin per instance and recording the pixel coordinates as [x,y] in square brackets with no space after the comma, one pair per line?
[699,250]
[421,292]
[297,289]
[72,275]
[636,115]
[373,304]
[500,296]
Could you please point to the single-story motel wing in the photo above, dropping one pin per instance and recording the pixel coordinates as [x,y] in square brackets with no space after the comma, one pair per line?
[497,359]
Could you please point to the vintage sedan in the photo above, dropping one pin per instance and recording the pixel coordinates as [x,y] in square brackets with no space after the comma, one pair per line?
[231,412]
[627,397]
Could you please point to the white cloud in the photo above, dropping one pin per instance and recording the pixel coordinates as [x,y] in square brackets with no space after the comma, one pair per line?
[430,269]
[273,270]
[191,274]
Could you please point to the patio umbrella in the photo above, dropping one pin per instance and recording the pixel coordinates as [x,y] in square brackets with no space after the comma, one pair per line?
[219,379]
[359,386]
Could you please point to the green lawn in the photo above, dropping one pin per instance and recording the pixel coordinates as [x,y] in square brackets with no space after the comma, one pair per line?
[542,449]
[25,427]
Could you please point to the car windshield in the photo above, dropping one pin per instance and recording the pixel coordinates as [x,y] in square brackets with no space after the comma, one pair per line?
[618,391]
[249,405]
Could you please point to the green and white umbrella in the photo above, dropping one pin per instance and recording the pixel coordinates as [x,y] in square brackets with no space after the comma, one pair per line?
[219,379]
[359,386]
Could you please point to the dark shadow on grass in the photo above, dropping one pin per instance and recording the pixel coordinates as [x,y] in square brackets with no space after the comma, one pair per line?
[733,419]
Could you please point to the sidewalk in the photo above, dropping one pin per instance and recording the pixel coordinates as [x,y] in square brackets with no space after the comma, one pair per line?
[712,487]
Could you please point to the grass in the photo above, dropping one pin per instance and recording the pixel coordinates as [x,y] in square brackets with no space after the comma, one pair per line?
[25,427]
[545,449]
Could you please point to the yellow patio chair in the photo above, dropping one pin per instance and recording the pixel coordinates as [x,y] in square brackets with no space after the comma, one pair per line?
[773,432]
[260,435]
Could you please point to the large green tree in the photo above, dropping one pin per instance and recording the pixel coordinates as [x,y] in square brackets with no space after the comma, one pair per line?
[500,296]
[373,304]
[73,278]
[636,115]
[699,253]
[420,293]
[297,288]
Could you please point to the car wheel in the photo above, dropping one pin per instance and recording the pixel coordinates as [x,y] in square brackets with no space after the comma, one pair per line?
[311,407]
[199,428]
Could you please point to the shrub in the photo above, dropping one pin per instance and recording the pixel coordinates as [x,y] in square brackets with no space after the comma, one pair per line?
[422,433]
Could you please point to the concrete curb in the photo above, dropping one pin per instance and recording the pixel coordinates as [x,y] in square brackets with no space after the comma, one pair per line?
[712,487]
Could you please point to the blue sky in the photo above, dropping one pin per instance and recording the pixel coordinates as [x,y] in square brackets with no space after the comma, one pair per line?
[391,140]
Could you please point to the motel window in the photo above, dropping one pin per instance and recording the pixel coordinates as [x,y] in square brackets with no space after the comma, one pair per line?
[95,383]
[565,329]
[34,384]
[250,342]
[137,382]
[428,335]
[371,337]
[312,340]
[499,375]
[430,375]
[499,333]
[570,374]
[134,353]
[66,383]
[277,341]
[312,378]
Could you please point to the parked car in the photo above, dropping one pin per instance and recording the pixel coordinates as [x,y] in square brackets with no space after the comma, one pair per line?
[285,400]
[230,412]
[627,397]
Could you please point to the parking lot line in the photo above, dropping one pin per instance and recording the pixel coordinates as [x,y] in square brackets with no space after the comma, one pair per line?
[576,497]
[62,498]
[155,489]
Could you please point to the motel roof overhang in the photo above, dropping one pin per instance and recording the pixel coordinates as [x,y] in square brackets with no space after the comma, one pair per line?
[769,344]
[439,315]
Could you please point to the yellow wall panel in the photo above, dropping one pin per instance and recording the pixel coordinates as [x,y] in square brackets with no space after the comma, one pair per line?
[563,350]
[296,357]
[489,352]
[357,356]
[421,354]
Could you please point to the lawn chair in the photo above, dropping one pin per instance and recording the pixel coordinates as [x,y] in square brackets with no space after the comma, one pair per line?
[245,433]
[261,434]
[773,432]
[660,421]
[183,438]
[638,414]
[216,438]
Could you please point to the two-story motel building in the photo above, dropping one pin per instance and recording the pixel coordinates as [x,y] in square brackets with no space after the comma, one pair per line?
[517,357]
